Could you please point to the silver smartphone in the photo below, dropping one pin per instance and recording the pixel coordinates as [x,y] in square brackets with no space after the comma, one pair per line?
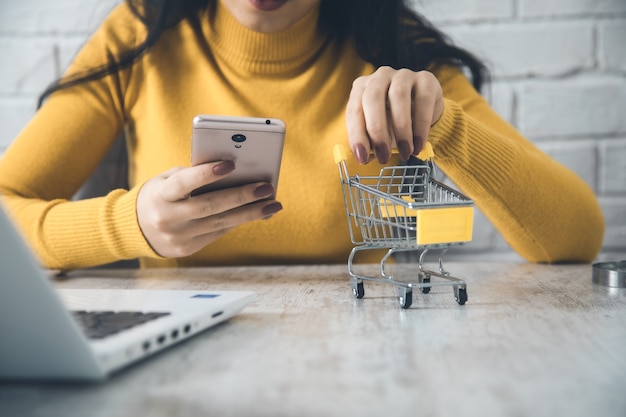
[254,144]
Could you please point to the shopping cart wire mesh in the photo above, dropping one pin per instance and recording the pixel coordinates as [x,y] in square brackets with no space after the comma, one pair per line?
[404,209]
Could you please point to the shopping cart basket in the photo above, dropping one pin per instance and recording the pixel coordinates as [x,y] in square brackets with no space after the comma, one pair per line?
[404,209]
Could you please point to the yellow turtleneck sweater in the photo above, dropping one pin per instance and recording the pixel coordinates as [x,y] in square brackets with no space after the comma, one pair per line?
[543,210]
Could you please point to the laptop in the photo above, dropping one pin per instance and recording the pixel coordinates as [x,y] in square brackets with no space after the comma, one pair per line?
[63,334]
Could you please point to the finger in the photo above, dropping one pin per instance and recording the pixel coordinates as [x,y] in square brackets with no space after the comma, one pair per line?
[374,104]
[181,182]
[199,242]
[400,111]
[200,232]
[232,218]
[220,201]
[179,246]
[424,97]
[358,139]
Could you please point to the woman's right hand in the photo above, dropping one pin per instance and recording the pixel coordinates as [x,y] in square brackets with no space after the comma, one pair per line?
[178,225]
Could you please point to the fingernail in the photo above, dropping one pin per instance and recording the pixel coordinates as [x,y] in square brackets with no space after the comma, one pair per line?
[361,154]
[224,168]
[382,153]
[404,150]
[263,190]
[272,208]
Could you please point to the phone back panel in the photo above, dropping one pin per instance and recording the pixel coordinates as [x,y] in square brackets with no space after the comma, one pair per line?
[255,145]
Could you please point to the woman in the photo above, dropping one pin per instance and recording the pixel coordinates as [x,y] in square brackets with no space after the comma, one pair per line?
[372,66]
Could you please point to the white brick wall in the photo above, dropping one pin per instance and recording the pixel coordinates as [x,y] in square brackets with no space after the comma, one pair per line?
[567,8]
[37,41]
[559,75]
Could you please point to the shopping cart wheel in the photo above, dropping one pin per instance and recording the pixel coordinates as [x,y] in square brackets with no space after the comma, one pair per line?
[405,297]
[357,289]
[425,280]
[461,296]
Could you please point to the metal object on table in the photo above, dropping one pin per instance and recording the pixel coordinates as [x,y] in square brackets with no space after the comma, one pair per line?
[610,274]
[404,209]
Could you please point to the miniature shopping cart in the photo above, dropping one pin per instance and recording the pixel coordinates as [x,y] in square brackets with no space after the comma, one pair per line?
[405,209]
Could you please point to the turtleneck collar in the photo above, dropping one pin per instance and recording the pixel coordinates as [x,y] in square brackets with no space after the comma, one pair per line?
[263,53]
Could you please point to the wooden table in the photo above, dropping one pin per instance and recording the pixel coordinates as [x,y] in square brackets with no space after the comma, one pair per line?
[533,340]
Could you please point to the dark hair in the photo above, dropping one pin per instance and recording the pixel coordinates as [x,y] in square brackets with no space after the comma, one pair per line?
[384,32]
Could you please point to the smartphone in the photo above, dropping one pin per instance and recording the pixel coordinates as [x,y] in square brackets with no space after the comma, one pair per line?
[254,144]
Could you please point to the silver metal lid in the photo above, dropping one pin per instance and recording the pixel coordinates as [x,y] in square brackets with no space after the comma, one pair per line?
[610,274]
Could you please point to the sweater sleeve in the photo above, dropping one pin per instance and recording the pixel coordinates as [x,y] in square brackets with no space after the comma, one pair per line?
[543,210]
[57,151]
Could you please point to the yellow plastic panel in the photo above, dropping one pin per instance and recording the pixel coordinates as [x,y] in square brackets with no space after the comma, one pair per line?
[444,225]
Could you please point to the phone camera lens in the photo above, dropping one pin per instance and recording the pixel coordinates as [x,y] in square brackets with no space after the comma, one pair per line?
[268,122]
[238,138]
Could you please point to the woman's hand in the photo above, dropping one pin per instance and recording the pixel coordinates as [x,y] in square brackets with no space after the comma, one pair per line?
[177,225]
[392,108]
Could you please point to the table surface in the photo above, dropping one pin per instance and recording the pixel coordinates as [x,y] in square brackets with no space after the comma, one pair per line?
[532,340]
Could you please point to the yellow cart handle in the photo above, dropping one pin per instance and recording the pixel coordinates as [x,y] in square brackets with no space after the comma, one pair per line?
[340,152]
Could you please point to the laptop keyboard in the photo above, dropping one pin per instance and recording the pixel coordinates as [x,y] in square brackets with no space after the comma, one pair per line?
[100,324]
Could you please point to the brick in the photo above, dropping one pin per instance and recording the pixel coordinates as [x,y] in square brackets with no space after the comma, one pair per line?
[63,16]
[612,51]
[28,65]
[31,64]
[614,210]
[459,10]
[68,47]
[608,255]
[613,167]
[525,49]
[501,97]
[570,7]
[14,115]
[574,106]
[579,156]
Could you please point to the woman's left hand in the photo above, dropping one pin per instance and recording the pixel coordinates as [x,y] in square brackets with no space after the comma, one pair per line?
[392,108]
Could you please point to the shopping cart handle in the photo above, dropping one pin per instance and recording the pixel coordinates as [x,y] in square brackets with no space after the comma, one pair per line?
[426,153]
[340,152]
